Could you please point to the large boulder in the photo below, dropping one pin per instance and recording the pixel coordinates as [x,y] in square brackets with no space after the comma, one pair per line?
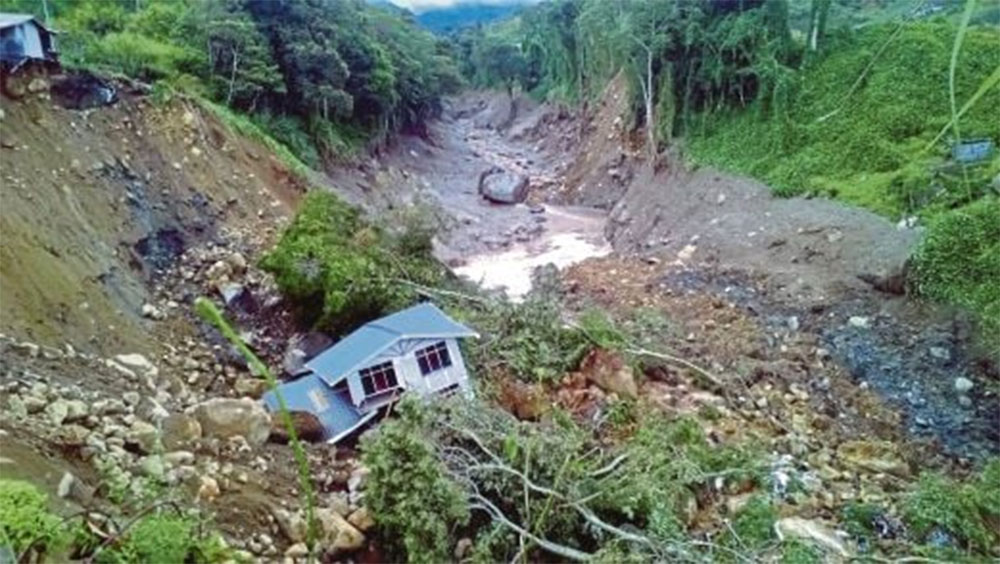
[307,427]
[608,371]
[338,535]
[180,430]
[227,417]
[502,186]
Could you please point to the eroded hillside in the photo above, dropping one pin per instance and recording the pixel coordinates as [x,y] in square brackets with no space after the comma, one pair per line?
[98,203]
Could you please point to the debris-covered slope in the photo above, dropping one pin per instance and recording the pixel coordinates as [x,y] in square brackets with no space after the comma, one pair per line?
[96,202]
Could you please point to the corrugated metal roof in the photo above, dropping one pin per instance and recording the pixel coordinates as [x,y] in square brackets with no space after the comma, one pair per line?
[309,393]
[335,362]
[424,320]
[8,20]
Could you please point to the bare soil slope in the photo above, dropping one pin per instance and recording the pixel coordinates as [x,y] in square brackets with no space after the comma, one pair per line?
[95,202]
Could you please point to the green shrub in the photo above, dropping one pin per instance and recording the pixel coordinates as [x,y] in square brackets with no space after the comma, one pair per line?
[339,270]
[415,505]
[26,521]
[668,462]
[140,56]
[754,524]
[159,538]
[959,261]
[967,511]
[797,552]
[528,340]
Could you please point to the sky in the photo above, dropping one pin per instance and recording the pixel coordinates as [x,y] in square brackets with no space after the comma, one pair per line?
[425,5]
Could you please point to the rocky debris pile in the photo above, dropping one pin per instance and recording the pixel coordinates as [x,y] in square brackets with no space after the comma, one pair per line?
[834,438]
[137,425]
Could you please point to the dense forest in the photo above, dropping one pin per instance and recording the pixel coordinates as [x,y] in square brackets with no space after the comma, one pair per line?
[321,77]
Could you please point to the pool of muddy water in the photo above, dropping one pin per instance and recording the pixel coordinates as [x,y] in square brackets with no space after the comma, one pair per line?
[571,235]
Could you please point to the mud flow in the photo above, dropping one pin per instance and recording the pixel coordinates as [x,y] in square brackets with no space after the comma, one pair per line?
[793,265]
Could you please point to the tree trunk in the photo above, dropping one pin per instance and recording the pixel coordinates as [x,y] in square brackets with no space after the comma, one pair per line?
[648,99]
[817,22]
[232,77]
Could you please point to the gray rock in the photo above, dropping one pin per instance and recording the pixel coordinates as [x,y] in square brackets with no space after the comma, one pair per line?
[940,353]
[57,412]
[76,410]
[503,187]
[226,417]
[145,436]
[16,407]
[859,321]
[153,466]
[963,385]
[33,404]
[180,430]
[72,488]
[231,292]
[179,458]
[137,363]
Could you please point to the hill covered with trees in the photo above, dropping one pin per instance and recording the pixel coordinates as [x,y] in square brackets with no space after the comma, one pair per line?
[321,77]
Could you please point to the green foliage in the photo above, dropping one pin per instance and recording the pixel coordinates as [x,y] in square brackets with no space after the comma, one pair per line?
[327,76]
[341,271]
[685,56]
[668,461]
[528,340]
[159,537]
[959,261]
[26,521]
[429,458]
[753,526]
[967,511]
[139,56]
[601,329]
[416,506]
[246,126]
[865,145]
[798,552]
[859,518]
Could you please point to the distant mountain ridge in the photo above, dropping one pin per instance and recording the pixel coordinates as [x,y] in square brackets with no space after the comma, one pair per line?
[459,16]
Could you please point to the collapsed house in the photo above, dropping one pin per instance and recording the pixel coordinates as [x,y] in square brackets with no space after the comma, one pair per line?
[23,38]
[413,351]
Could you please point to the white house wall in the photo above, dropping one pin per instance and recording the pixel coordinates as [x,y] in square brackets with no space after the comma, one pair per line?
[33,41]
[404,362]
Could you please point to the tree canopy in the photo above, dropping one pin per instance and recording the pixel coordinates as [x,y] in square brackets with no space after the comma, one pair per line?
[320,76]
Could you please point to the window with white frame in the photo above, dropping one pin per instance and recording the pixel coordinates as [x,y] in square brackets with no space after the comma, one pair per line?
[378,378]
[433,358]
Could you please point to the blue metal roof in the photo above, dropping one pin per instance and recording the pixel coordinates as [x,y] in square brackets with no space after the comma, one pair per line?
[422,321]
[309,393]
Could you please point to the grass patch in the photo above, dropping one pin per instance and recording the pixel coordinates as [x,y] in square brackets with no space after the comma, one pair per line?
[242,124]
[967,512]
[868,149]
[959,262]
[25,520]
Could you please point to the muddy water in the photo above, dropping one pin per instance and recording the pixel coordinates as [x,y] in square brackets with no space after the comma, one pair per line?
[571,235]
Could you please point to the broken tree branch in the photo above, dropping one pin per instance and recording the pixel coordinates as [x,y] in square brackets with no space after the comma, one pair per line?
[708,376]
